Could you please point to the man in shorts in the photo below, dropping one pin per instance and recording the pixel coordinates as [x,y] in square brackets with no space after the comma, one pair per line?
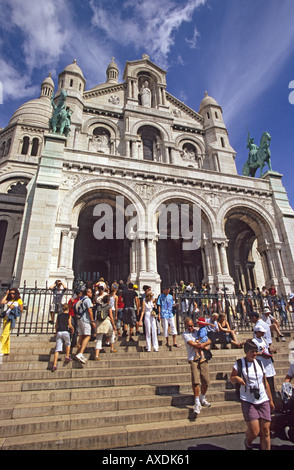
[85,324]
[199,371]
[131,309]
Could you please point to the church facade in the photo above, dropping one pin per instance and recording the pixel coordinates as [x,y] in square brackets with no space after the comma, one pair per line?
[89,204]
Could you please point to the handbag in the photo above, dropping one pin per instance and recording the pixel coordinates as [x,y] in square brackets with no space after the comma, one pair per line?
[153,314]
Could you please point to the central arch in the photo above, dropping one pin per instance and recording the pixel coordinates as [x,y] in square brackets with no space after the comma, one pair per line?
[178,256]
[102,252]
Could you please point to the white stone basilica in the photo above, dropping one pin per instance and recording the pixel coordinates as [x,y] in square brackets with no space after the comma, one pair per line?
[134,142]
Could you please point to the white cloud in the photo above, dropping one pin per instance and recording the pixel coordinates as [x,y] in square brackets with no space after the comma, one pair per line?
[41,25]
[15,84]
[146,24]
[192,43]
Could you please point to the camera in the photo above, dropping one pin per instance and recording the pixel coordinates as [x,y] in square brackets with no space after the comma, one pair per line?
[255,392]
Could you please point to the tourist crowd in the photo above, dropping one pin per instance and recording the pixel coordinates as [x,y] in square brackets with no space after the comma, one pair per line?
[105,313]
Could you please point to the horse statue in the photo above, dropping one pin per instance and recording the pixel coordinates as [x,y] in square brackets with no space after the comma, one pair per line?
[258,156]
[60,121]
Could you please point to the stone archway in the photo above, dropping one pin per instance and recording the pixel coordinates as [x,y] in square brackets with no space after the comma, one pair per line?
[96,255]
[249,249]
[178,257]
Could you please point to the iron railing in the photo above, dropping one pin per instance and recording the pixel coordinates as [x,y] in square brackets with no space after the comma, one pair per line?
[237,308]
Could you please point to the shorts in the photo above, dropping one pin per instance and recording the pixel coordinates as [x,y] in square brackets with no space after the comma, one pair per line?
[129,316]
[56,307]
[62,337]
[84,328]
[199,373]
[166,322]
[253,412]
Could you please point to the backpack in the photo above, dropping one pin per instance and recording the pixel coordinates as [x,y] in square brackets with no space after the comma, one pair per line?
[102,312]
[79,308]
[239,365]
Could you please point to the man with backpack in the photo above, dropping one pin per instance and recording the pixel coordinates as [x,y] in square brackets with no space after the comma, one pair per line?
[85,323]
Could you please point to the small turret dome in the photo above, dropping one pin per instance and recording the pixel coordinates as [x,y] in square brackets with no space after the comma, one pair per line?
[47,87]
[112,72]
[208,101]
[74,68]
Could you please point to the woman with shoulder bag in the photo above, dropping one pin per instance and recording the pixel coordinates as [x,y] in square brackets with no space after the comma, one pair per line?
[150,316]
[13,307]
[105,326]
[256,400]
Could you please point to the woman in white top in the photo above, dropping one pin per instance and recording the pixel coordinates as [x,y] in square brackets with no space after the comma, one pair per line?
[255,396]
[150,322]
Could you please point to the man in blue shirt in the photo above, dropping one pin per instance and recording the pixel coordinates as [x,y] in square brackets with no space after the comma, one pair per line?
[165,304]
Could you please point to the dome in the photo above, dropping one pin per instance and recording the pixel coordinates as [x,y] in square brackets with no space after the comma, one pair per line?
[35,112]
[208,101]
[48,81]
[74,68]
[112,72]
[112,64]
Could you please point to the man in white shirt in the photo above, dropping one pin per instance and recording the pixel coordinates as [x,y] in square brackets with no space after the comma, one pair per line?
[255,318]
[272,322]
[199,370]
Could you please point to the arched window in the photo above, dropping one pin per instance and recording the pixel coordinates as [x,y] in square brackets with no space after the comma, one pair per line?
[3,230]
[25,145]
[2,149]
[100,140]
[35,147]
[150,137]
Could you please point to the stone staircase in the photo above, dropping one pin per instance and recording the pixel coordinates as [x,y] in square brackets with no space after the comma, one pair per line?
[127,399]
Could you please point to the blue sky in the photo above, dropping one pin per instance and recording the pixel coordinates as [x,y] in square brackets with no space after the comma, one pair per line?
[240,51]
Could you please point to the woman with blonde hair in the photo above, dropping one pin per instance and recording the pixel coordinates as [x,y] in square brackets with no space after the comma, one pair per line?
[149,315]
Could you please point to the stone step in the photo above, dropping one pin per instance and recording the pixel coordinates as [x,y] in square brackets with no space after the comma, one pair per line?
[128,435]
[51,408]
[126,399]
[99,419]
[68,371]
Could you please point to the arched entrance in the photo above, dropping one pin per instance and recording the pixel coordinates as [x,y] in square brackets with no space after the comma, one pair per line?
[178,257]
[102,251]
[248,259]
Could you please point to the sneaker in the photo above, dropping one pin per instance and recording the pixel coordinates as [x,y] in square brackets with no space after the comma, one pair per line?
[247,447]
[54,368]
[204,402]
[81,358]
[68,359]
[113,350]
[282,338]
[197,408]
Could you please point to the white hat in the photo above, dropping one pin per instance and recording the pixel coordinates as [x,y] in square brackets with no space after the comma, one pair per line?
[259,328]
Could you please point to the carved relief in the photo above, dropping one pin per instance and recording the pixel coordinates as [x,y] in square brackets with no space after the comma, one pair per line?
[100,143]
[146,191]
[114,100]
[71,181]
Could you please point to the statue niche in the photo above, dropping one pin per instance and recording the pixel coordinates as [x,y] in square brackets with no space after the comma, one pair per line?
[100,142]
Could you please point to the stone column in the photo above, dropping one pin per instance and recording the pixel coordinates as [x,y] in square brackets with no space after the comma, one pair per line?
[63,248]
[72,238]
[142,255]
[223,258]
[216,258]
